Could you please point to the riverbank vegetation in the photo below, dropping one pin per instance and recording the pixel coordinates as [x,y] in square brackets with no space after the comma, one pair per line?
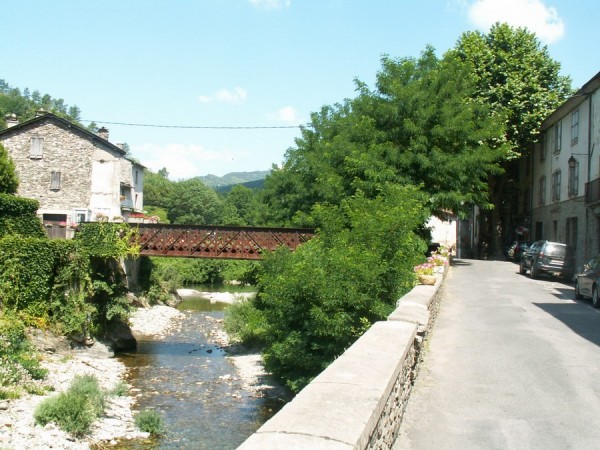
[433,135]
[72,287]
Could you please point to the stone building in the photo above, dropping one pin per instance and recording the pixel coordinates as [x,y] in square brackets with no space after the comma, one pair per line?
[75,175]
[566,174]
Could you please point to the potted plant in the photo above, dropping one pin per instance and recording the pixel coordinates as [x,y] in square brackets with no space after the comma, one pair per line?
[425,273]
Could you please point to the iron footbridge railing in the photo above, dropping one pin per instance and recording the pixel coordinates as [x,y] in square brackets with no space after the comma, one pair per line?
[202,241]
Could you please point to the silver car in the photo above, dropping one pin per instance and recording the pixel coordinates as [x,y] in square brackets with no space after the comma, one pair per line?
[586,282]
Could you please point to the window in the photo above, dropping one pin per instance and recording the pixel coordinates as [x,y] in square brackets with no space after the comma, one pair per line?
[135,176]
[37,147]
[556,186]
[572,231]
[542,191]
[80,215]
[55,181]
[574,126]
[542,147]
[557,137]
[573,178]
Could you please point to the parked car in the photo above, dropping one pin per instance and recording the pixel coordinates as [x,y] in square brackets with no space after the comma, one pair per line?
[586,282]
[516,250]
[551,258]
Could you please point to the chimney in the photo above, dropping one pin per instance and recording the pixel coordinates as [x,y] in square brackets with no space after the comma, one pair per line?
[40,112]
[11,120]
[121,145]
[103,133]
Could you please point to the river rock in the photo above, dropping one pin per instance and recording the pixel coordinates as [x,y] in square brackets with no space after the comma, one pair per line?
[119,336]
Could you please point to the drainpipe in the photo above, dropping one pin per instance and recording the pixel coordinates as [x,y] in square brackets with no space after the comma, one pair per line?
[589,173]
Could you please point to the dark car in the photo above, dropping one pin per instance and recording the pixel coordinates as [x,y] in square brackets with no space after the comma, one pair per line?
[586,282]
[516,250]
[551,258]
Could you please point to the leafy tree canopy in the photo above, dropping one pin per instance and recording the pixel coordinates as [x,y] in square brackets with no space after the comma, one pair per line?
[419,126]
[192,202]
[25,105]
[157,189]
[516,76]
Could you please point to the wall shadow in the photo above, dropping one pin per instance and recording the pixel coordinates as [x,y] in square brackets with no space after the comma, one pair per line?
[577,317]
[460,262]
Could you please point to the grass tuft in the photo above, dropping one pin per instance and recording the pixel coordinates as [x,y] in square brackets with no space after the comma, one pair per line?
[149,421]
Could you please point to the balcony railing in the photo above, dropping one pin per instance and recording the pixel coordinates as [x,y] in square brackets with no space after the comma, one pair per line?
[592,192]
[126,204]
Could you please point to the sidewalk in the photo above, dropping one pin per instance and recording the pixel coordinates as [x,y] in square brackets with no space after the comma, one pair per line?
[511,363]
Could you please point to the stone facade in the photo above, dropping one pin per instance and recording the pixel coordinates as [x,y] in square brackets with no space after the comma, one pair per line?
[566,174]
[74,174]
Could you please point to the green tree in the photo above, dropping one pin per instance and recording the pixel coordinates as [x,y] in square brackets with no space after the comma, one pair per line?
[192,202]
[25,106]
[157,190]
[517,78]
[313,303]
[419,125]
[8,177]
[244,203]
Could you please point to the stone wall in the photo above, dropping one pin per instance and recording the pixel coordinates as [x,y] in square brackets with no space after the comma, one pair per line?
[359,400]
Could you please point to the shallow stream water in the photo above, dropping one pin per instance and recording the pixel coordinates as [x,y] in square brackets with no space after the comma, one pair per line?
[188,379]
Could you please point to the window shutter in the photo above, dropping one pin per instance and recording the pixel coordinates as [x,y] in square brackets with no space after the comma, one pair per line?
[55,180]
[37,147]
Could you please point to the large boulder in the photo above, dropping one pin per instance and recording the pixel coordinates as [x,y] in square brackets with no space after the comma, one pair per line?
[119,337]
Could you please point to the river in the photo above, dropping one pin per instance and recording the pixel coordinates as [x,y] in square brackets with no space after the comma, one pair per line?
[189,379]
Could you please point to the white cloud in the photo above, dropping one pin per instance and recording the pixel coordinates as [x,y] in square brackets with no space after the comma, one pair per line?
[287,115]
[184,161]
[271,4]
[535,15]
[237,95]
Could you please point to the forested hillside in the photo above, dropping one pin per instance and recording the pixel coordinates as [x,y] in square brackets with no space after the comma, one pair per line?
[233,178]
[25,104]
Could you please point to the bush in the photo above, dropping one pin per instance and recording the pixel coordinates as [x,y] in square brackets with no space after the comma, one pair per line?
[245,323]
[28,267]
[75,410]
[19,364]
[149,421]
[317,301]
[18,216]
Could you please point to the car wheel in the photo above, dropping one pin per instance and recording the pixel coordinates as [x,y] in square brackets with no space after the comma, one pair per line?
[522,269]
[533,271]
[595,299]
[578,295]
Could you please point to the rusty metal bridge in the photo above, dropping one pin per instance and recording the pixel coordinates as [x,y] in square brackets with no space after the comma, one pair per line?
[221,242]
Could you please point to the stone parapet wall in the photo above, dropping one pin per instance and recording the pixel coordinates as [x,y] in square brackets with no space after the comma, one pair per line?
[359,400]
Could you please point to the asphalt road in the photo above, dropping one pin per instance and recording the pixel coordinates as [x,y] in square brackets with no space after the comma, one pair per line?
[512,363]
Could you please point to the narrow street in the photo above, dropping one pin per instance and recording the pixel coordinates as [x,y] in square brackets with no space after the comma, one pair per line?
[511,363]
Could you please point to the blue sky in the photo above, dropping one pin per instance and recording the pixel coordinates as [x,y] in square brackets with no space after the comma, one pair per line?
[246,63]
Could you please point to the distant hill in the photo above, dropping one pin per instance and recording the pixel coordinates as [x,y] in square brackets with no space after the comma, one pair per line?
[253,180]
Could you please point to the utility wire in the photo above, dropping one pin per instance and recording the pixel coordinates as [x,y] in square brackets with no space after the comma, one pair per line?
[192,126]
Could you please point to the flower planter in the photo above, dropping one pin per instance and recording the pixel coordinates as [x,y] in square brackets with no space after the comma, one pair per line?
[427,279]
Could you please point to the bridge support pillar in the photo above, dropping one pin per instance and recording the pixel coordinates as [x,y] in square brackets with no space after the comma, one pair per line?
[131,267]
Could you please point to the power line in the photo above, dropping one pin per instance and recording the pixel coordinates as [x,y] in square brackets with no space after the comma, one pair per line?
[193,126]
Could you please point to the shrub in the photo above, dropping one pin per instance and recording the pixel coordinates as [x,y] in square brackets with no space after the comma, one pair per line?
[121,389]
[318,300]
[75,410]
[18,216]
[245,323]
[149,421]
[19,363]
